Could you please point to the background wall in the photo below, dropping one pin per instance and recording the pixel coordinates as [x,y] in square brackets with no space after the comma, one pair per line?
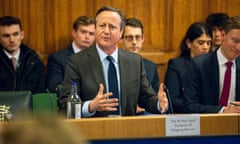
[48,23]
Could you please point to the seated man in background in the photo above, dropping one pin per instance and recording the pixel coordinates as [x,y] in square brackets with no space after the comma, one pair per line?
[132,40]
[83,36]
[212,83]
[216,21]
[20,66]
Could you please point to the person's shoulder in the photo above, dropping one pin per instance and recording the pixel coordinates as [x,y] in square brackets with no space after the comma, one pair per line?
[27,51]
[204,57]
[148,62]
[180,60]
[62,52]
[128,54]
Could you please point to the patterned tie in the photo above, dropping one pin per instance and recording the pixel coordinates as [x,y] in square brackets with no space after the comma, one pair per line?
[14,63]
[112,82]
[226,85]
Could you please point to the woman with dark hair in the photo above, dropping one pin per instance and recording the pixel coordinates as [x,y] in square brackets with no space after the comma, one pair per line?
[197,41]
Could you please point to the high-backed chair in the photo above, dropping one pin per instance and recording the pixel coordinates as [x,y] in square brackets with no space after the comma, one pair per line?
[44,103]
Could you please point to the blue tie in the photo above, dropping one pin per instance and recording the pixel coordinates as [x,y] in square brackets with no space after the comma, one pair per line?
[112,82]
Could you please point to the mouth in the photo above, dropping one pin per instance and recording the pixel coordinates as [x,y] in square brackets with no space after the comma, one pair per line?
[86,42]
[11,45]
[106,38]
[134,48]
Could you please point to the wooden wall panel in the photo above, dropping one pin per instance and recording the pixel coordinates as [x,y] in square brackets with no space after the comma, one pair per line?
[229,6]
[48,23]
[183,13]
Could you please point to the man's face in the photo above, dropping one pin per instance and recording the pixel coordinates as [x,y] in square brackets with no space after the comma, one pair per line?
[108,32]
[231,44]
[84,36]
[133,39]
[11,37]
[217,33]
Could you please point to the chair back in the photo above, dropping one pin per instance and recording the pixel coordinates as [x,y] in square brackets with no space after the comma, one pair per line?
[44,103]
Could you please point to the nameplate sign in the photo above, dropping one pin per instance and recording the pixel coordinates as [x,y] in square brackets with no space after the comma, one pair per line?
[182,125]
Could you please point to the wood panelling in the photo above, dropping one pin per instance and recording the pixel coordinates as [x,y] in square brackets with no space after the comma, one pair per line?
[47,23]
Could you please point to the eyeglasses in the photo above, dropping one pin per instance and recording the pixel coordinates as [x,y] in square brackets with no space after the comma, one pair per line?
[131,37]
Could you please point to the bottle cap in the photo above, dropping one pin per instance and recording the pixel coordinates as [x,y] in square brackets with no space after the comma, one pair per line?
[74,83]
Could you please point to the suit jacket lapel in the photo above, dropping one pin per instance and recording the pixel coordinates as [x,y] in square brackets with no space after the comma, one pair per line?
[96,66]
[70,50]
[124,73]
[214,70]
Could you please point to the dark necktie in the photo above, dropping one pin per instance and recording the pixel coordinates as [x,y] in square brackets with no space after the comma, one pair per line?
[226,85]
[14,63]
[113,82]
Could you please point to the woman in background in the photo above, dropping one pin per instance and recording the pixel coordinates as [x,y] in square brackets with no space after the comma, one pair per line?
[197,41]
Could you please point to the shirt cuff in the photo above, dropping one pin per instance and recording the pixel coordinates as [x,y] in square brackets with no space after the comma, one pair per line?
[85,111]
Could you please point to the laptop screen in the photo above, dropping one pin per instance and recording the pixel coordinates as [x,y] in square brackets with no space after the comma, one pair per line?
[15,102]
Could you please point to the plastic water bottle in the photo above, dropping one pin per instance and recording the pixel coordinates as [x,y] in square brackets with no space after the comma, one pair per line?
[74,107]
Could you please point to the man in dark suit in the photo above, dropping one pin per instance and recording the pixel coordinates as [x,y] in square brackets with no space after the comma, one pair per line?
[205,79]
[27,71]
[132,40]
[83,36]
[90,69]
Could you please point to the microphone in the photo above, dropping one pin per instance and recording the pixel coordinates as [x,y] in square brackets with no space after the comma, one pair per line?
[51,100]
[169,99]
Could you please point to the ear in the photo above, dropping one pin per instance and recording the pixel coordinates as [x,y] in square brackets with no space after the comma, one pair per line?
[188,43]
[143,38]
[121,33]
[223,33]
[73,33]
[22,35]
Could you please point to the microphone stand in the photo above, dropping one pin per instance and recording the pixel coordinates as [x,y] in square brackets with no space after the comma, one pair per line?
[169,100]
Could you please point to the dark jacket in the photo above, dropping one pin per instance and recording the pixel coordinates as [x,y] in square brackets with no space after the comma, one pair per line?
[152,74]
[30,73]
[174,80]
[201,92]
[56,67]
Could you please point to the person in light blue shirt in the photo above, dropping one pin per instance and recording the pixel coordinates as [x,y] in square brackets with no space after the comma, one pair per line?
[89,67]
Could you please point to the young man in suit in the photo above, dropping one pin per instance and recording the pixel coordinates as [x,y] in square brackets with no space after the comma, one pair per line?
[90,70]
[132,40]
[208,79]
[20,66]
[83,36]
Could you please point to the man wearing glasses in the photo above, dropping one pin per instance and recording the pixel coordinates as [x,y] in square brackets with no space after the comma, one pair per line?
[132,39]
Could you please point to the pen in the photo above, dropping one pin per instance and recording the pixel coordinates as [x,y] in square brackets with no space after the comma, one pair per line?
[234,104]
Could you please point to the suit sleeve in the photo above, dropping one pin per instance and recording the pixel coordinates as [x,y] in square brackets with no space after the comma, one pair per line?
[71,74]
[194,91]
[148,98]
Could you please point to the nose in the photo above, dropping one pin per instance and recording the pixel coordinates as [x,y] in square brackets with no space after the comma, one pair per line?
[206,46]
[106,29]
[11,38]
[238,47]
[134,41]
[217,32]
[87,35]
